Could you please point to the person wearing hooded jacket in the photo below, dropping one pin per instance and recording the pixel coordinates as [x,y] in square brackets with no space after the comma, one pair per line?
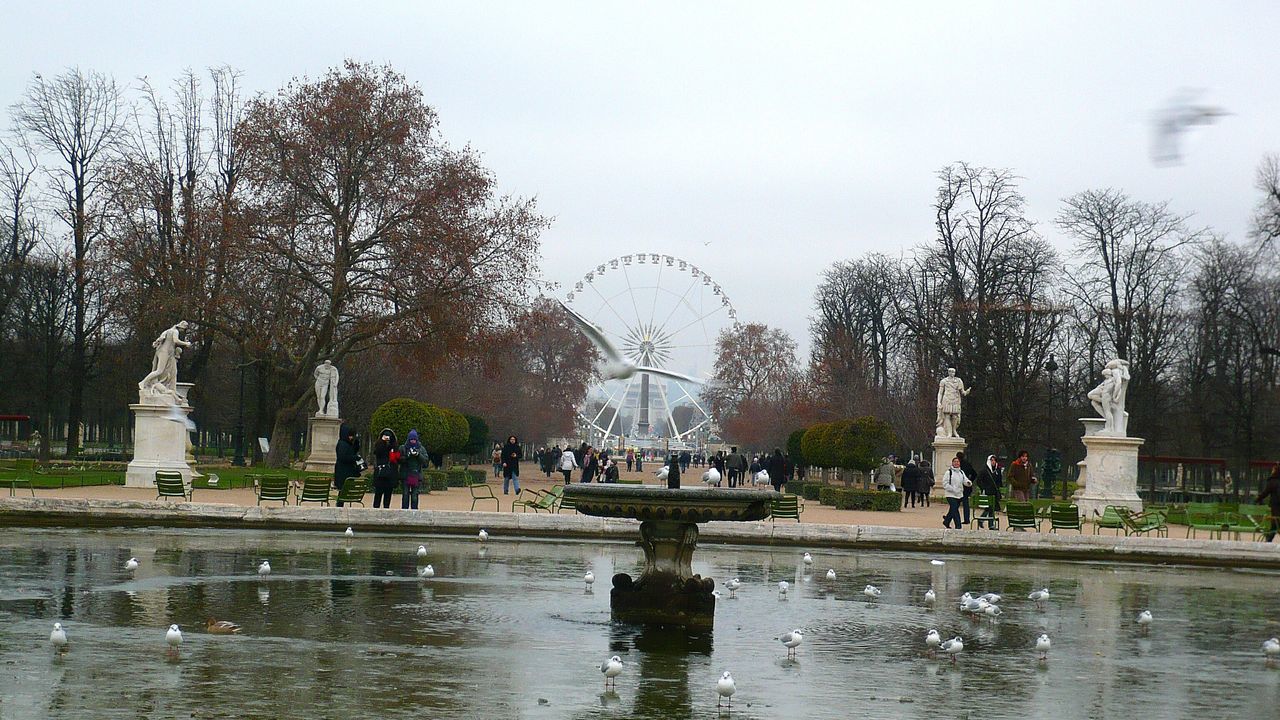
[511,455]
[954,482]
[990,480]
[777,467]
[413,460]
[348,464]
[386,458]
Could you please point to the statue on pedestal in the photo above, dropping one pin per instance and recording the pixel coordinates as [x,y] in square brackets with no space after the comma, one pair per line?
[1108,397]
[162,381]
[951,391]
[326,376]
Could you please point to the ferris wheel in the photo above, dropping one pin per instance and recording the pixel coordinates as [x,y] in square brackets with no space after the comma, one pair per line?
[662,312]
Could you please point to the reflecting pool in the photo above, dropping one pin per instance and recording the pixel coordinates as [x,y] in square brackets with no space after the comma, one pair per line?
[345,628]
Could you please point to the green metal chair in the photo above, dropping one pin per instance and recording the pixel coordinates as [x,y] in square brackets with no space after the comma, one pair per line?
[1021,516]
[787,507]
[1206,517]
[1110,519]
[984,512]
[315,488]
[19,475]
[1065,517]
[274,488]
[526,498]
[1143,523]
[567,503]
[482,491]
[353,491]
[169,484]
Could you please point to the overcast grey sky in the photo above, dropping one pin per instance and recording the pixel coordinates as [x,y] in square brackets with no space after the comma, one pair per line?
[789,135]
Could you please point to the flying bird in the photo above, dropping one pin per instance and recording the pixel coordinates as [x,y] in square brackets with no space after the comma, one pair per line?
[58,638]
[617,367]
[725,689]
[611,669]
[176,415]
[1172,124]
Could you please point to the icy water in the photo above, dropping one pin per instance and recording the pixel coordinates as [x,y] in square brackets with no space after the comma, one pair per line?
[345,629]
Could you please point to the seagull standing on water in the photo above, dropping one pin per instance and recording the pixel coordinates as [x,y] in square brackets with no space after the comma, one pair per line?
[1042,646]
[930,597]
[349,532]
[732,586]
[174,638]
[1270,649]
[1039,596]
[953,647]
[589,579]
[422,551]
[611,669]
[808,559]
[427,572]
[1144,620]
[792,641]
[483,536]
[131,564]
[725,689]
[872,592]
[58,638]
[265,568]
[932,640]
[783,587]
[831,573]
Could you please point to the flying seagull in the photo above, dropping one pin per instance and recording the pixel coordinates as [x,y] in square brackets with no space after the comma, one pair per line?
[617,367]
[1172,123]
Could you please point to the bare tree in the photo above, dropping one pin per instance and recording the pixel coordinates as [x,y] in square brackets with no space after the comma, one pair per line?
[1266,218]
[77,116]
[20,224]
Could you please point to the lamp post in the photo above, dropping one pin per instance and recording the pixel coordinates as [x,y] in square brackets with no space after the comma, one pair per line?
[1051,367]
[238,458]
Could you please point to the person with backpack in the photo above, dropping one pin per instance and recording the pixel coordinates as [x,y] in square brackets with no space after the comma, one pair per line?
[954,482]
[413,460]
[386,458]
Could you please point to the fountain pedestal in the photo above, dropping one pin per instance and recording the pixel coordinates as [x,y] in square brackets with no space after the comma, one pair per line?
[667,592]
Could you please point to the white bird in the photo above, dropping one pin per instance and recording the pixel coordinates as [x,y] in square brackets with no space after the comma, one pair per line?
[617,367]
[936,562]
[131,564]
[58,638]
[831,573]
[930,597]
[1271,649]
[711,476]
[349,532]
[174,638]
[932,640]
[1042,646]
[992,598]
[732,585]
[725,688]
[792,641]
[783,587]
[762,478]
[1144,620]
[483,536]
[176,415]
[871,591]
[427,572]
[589,579]
[611,669]
[422,551]
[992,611]
[663,472]
[264,568]
[808,559]
[1175,120]
[716,594]
[1039,596]
[953,647]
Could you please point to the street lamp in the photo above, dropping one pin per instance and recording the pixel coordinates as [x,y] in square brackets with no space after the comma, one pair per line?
[1051,367]
[238,458]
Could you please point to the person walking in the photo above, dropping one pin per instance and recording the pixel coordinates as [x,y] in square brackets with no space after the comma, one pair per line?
[413,459]
[990,481]
[926,482]
[910,483]
[497,460]
[954,481]
[972,474]
[349,463]
[640,461]
[568,463]
[1271,491]
[631,458]
[673,472]
[511,456]
[386,458]
[884,474]
[1020,477]
[590,465]
[777,468]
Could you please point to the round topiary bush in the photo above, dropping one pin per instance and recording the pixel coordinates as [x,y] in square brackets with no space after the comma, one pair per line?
[401,415]
[477,436]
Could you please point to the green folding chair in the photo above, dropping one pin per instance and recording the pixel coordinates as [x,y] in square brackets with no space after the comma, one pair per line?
[169,484]
[353,491]
[274,488]
[315,488]
[1110,519]
[787,507]
[482,491]
[1021,516]
[1065,517]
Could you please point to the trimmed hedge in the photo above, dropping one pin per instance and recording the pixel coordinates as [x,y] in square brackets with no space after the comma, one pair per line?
[843,498]
[827,494]
[436,479]
[810,490]
[460,477]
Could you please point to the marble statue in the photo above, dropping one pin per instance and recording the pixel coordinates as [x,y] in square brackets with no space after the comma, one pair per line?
[326,389]
[951,390]
[1108,397]
[162,381]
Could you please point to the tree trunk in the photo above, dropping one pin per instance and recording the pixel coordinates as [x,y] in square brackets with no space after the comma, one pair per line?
[282,437]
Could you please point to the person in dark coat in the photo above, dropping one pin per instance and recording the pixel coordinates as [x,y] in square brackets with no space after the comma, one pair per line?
[413,460]
[990,481]
[349,464]
[511,455]
[910,483]
[972,475]
[673,472]
[590,465]
[386,458]
[1271,491]
[777,467]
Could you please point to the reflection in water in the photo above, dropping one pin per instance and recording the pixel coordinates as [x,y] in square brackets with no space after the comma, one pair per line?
[662,668]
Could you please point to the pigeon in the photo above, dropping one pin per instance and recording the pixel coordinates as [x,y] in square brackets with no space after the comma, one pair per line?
[264,568]
[711,476]
[792,641]
[349,532]
[725,688]
[617,367]
[930,597]
[1270,649]
[932,640]
[783,587]
[427,572]
[611,669]
[174,638]
[831,573]
[422,551]
[1144,620]
[1042,646]
[1175,120]
[58,638]
[483,536]
[221,627]
[953,647]
[732,586]
[1039,596]
[131,564]
[808,559]
[589,579]
[871,591]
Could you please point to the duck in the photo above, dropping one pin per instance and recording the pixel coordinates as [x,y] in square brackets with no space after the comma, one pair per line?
[725,688]
[58,638]
[427,572]
[1042,646]
[221,627]
[611,669]
[131,564]
[264,568]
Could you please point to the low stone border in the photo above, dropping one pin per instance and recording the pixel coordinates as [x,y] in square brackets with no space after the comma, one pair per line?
[78,512]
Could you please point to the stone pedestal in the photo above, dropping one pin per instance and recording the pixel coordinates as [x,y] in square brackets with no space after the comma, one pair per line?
[1109,471]
[322,443]
[159,442]
[944,450]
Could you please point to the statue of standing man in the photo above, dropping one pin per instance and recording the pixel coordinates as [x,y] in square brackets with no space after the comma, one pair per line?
[326,389]
[951,391]
[162,381]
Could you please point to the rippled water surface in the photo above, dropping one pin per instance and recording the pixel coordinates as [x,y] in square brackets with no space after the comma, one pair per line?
[345,629]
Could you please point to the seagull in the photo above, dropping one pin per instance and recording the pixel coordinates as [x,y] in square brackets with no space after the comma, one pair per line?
[992,611]
[616,367]
[732,586]
[711,476]
[427,572]
[221,627]
[792,641]
[58,638]
[808,559]
[1175,120]
[349,532]
[831,573]
[783,587]
[611,668]
[932,640]
[422,551]
[174,638]
[177,416]
[589,579]
[930,597]
[1039,596]
[953,647]
[871,591]
[1270,649]
[1144,620]
[992,598]
[1042,646]
[762,477]
[716,594]
[131,564]
[725,689]
[663,472]
[936,562]
[483,536]
[264,568]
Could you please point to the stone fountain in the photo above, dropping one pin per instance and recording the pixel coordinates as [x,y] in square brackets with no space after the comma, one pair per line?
[667,593]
